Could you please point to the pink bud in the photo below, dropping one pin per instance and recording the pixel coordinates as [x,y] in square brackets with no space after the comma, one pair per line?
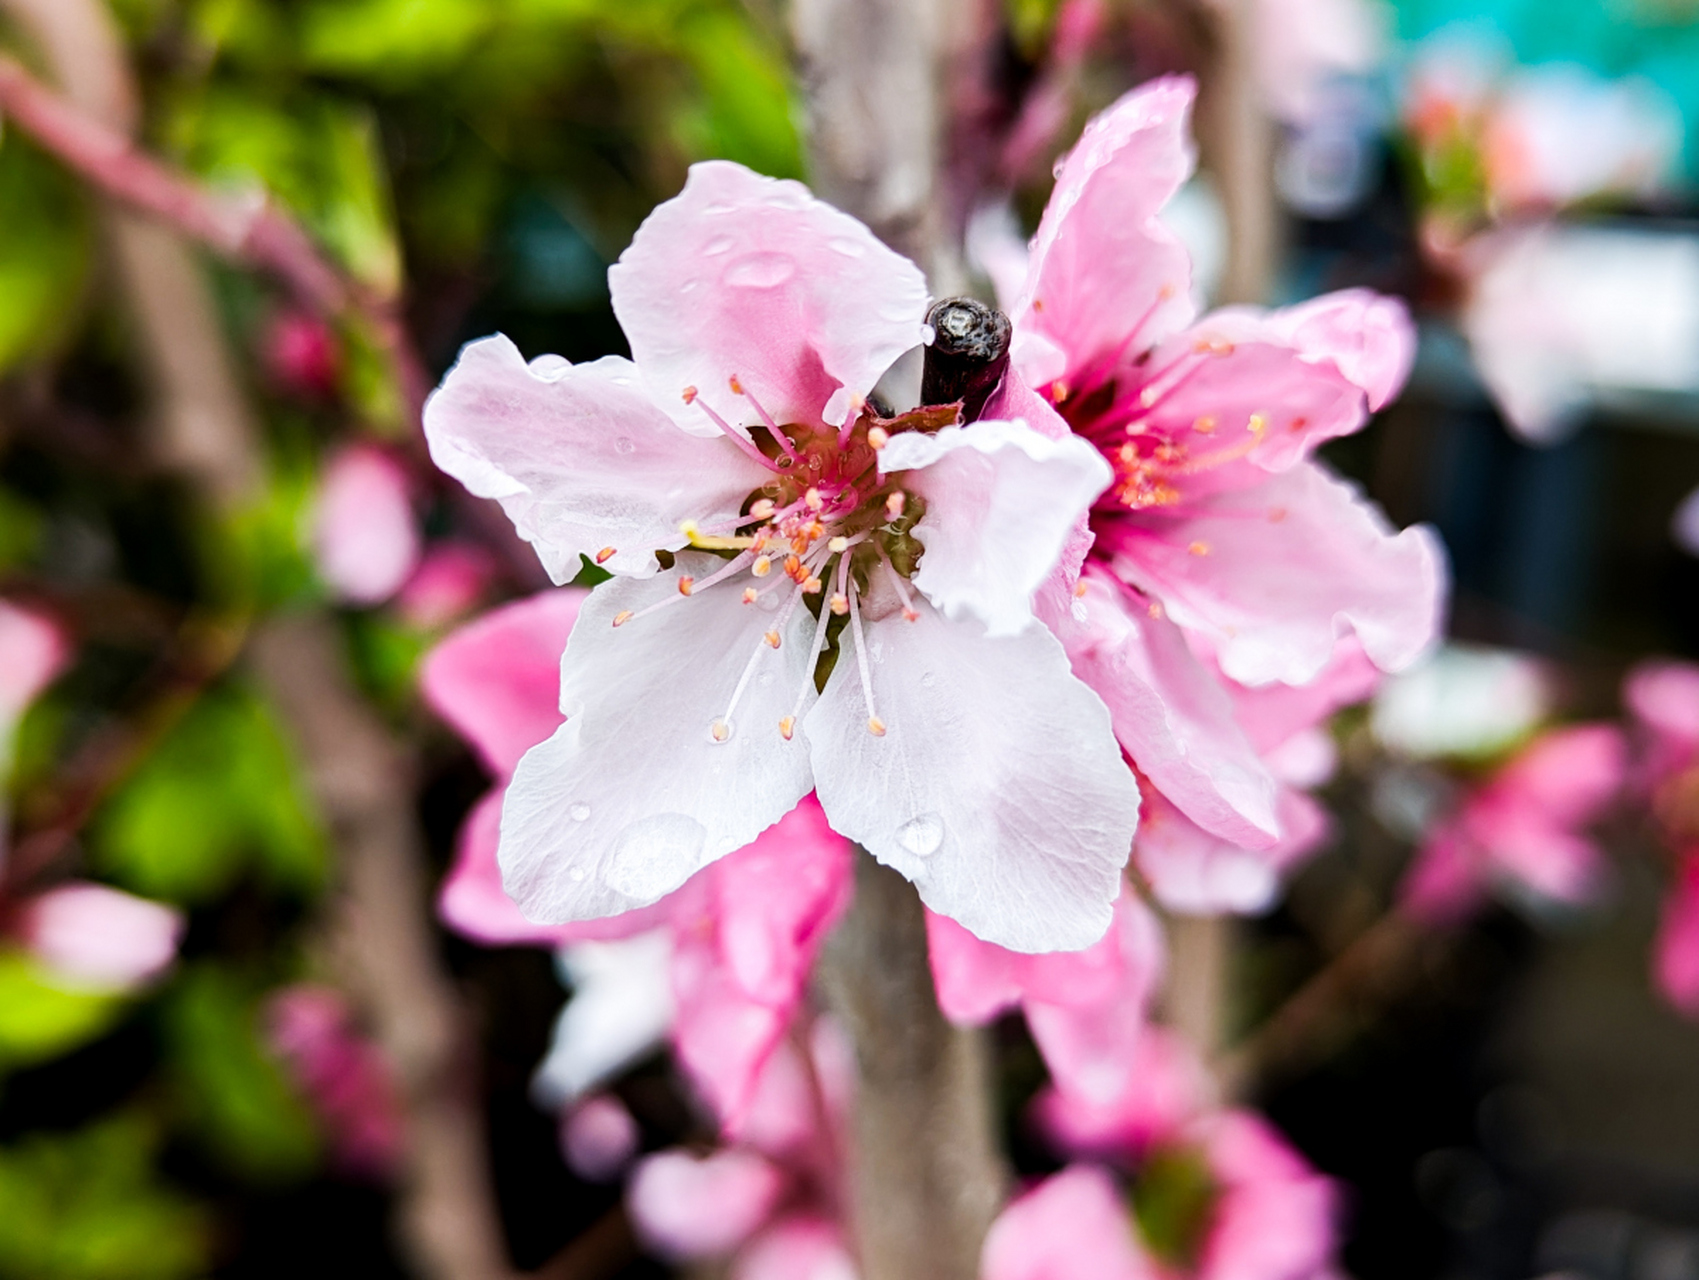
[32,653]
[301,355]
[687,1207]
[364,534]
[100,938]
[449,583]
[598,1137]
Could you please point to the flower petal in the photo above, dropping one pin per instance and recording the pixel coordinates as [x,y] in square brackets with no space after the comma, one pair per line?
[797,1248]
[1275,575]
[497,679]
[1675,963]
[33,650]
[687,1207]
[1194,872]
[997,787]
[1171,713]
[1001,503]
[1275,1215]
[99,939]
[580,458]
[365,536]
[1072,1226]
[1367,335]
[747,276]
[1102,264]
[633,794]
[620,1009]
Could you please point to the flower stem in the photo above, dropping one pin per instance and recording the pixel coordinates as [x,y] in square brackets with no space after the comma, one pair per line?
[925,1178]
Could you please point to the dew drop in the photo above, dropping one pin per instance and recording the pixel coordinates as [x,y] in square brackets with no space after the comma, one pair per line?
[576,875]
[761,270]
[718,245]
[921,836]
[846,246]
[578,811]
[654,854]
[626,445]
[768,602]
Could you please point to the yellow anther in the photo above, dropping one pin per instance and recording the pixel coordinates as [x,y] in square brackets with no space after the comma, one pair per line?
[1079,590]
[622,617]
[1199,549]
[812,499]
[772,639]
[876,726]
[811,587]
[736,386]
[1060,391]
[1257,425]
[604,555]
[750,595]
[762,567]
[686,584]
[1155,609]
[837,544]
[690,395]
[840,603]
[793,568]
[1205,424]
[721,730]
[878,437]
[894,504]
[761,509]
[787,726]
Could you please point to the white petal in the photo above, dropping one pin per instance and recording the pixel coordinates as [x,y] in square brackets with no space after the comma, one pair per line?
[579,457]
[633,794]
[621,1008]
[1001,499]
[998,788]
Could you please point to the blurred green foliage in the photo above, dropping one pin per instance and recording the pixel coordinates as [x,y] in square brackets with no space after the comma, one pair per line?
[217,798]
[43,254]
[1173,1198]
[87,1205]
[40,1018]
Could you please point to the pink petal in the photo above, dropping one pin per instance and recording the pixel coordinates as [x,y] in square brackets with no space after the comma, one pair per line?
[100,938]
[721,1038]
[497,679]
[598,1138]
[1275,1219]
[1567,776]
[1274,576]
[1445,880]
[581,459]
[748,277]
[1104,271]
[364,535]
[1663,697]
[1367,335]
[1194,872]
[797,1248]
[688,1208]
[33,651]
[1164,1086]
[1171,714]
[1072,1226]
[449,582]
[1675,958]
[1273,714]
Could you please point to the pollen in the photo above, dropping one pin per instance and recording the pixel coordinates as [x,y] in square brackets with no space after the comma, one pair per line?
[1060,391]
[878,437]
[686,584]
[1205,424]
[812,499]
[876,726]
[1080,590]
[837,544]
[736,386]
[811,586]
[761,509]
[1257,425]
[787,726]
[793,567]
[772,639]
[720,730]
[750,595]
[604,555]
[762,567]
[840,603]
[690,395]
[1199,549]
[894,504]
[622,617]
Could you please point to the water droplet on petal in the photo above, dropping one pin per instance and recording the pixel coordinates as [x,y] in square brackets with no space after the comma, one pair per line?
[655,854]
[578,811]
[761,270]
[846,246]
[625,444]
[921,836]
[576,875]
[718,245]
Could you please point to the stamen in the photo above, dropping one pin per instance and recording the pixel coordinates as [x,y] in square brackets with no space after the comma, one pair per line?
[604,555]
[761,509]
[813,500]
[750,595]
[722,728]
[772,639]
[840,603]
[762,567]
[787,724]
[731,433]
[687,586]
[857,407]
[875,725]
[910,613]
[738,389]
[878,437]
[623,616]
[837,544]
[1199,549]
[894,504]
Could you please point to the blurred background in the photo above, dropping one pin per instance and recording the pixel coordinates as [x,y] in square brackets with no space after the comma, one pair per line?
[1507,1099]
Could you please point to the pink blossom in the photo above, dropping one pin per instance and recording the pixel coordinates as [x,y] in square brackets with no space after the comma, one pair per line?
[598,1137]
[364,535]
[1072,1226]
[450,581]
[797,1248]
[1163,1087]
[300,353]
[688,1207]
[99,938]
[759,319]
[1219,535]
[1523,827]
[342,1073]
[1675,965]
[33,651]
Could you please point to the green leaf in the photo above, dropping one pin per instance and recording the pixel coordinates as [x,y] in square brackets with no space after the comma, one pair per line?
[40,1020]
[391,40]
[89,1206]
[746,110]
[233,1094]
[43,253]
[218,796]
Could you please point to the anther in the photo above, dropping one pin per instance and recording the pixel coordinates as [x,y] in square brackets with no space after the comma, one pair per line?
[1257,425]
[690,395]
[837,544]
[772,639]
[840,603]
[721,730]
[894,504]
[1205,424]
[876,726]
[813,500]
[761,509]
[1080,589]
[1199,549]
[811,585]
[793,566]
[878,437]
[762,567]
[1059,391]
[622,617]
[736,386]
[750,595]
[604,555]
[787,726]
[686,584]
